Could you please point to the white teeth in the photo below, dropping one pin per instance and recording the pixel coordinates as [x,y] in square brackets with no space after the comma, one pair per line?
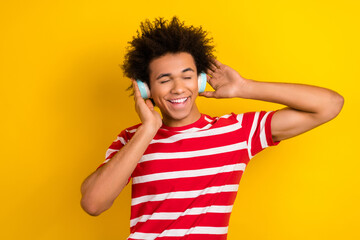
[180,100]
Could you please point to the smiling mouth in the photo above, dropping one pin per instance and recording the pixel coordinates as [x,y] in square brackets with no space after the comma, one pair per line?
[179,100]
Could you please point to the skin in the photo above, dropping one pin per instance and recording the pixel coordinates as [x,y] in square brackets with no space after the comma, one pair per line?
[174,77]
[306,108]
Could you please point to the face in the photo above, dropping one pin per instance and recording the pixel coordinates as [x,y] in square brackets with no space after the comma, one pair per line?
[174,88]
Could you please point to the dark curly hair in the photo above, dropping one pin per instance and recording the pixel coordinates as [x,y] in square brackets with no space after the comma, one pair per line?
[161,37]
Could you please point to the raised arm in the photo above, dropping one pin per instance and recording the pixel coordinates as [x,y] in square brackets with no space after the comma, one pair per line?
[101,188]
[307,106]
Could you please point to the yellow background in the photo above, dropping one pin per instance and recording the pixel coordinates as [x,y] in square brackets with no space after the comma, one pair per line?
[63,101]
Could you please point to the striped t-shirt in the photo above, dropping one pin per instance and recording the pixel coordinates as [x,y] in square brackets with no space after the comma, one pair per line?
[185,184]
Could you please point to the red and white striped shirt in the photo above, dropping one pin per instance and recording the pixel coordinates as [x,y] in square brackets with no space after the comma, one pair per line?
[185,184]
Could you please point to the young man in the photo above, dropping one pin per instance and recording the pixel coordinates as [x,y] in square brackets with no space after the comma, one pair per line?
[186,166]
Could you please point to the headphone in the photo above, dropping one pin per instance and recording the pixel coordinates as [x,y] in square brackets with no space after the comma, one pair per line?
[145,91]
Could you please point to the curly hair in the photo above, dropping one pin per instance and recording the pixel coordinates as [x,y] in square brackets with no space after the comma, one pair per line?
[161,37]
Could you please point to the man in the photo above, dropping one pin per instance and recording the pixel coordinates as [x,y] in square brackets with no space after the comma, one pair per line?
[186,166]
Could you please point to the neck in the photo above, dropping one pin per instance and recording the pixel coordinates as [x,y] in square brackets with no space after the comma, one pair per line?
[179,122]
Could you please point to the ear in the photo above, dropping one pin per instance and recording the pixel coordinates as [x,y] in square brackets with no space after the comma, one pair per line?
[144,89]
[202,82]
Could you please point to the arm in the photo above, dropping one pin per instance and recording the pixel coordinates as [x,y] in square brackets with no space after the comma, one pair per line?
[101,188]
[307,106]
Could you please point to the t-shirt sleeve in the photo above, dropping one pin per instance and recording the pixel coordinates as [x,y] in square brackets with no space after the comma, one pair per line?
[115,146]
[260,136]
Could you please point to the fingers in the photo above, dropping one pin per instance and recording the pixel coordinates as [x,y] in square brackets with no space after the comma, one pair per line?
[135,86]
[209,72]
[139,101]
[137,94]
[214,67]
[149,104]
[218,63]
[207,94]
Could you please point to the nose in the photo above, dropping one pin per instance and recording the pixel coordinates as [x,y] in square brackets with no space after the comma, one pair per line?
[178,86]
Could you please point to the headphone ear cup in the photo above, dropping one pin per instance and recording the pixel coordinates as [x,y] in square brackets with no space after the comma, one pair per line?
[202,82]
[144,89]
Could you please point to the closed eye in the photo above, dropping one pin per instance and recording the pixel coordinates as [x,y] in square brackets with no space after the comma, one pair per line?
[164,81]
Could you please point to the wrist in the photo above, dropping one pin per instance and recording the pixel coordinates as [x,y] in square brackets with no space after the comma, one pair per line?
[246,88]
[148,129]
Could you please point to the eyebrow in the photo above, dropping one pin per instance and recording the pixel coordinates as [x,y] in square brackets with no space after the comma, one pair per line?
[169,74]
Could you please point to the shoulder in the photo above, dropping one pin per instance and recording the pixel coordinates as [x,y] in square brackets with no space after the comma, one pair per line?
[227,119]
[128,132]
[256,117]
[246,119]
[132,129]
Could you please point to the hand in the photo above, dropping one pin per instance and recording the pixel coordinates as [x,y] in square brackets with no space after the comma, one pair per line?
[145,110]
[226,82]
